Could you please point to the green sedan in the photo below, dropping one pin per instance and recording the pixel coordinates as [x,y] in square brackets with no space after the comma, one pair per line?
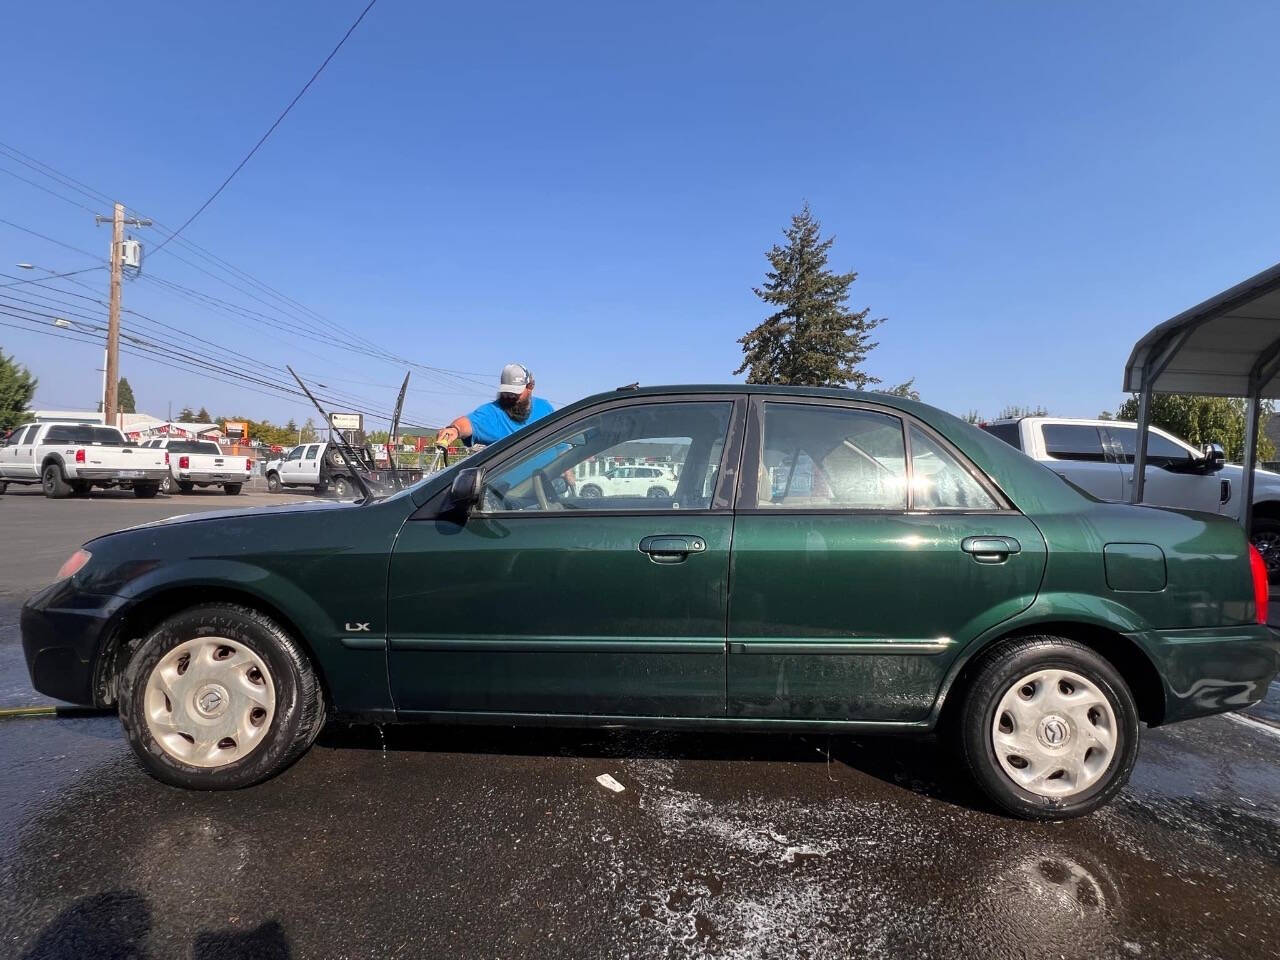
[825,560]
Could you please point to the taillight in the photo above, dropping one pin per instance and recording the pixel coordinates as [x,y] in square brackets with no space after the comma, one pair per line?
[1258,570]
[74,564]
[79,456]
[248,464]
[184,463]
[166,458]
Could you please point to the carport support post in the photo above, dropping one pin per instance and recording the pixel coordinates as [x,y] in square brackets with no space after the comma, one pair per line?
[1140,447]
[1250,453]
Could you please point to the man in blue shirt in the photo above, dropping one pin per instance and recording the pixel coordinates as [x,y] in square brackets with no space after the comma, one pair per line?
[515,408]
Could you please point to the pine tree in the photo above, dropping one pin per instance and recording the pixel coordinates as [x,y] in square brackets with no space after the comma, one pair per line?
[17,387]
[124,397]
[813,338]
[186,415]
[202,416]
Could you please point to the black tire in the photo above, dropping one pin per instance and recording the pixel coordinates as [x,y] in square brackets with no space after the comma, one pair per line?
[166,485]
[231,489]
[273,482]
[657,493]
[341,487]
[185,486]
[996,673]
[4,487]
[81,487]
[1265,535]
[54,483]
[145,491]
[321,489]
[590,492]
[299,699]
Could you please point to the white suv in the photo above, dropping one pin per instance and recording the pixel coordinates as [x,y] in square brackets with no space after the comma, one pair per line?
[630,482]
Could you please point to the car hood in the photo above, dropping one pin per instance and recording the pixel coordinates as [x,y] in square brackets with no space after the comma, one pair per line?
[306,506]
[1261,478]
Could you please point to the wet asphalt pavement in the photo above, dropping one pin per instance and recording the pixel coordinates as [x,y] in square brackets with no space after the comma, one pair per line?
[490,842]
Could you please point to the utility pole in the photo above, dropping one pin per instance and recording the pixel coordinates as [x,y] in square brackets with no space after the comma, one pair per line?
[112,374]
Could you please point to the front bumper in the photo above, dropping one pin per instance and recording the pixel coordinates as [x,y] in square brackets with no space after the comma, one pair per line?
[63,633]
[133,476]
[1208,670]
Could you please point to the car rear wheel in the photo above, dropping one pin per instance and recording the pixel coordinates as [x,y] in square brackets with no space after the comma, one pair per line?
[657,493]
[231,489]
[273,482]
[145,491]
[219,697]
[341,488]
[166,485]
[1048,728]
[54,483]
[590,492]
[185,486]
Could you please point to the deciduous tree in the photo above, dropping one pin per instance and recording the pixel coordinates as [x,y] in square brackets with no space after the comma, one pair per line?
[1200,420]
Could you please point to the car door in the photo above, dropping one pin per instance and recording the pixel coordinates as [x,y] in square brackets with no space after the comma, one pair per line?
[290,467]
[859,573]
[1078,452]
[1175,475]
[20,456]
[610,605]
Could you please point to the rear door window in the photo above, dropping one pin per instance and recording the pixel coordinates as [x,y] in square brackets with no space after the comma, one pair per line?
[939,481]
[1074,441]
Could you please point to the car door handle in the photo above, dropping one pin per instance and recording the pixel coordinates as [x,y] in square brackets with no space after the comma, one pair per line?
[669,548]
[990,549]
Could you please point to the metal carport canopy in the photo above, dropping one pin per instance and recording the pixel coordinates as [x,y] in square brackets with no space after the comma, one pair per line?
[1228,346]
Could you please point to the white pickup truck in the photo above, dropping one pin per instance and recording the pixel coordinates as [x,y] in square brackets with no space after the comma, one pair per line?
[71,458]
[316,465]
[1097,456]
[201,463]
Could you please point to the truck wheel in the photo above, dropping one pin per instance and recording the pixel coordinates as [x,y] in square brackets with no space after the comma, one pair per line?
[4,486]
[1048,728]
[341,488]
[273,482]
[321,489]
[231,489]
[657,493]
[1265,535]
[185,486]
[590,492]
[54,483]
[81,487]
[219,697]
[166,485]
[145,491]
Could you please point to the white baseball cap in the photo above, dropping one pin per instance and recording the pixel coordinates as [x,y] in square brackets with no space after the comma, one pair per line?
[515,377]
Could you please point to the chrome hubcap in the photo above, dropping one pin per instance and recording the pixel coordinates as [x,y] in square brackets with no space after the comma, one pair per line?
[1054,733]
[209,701]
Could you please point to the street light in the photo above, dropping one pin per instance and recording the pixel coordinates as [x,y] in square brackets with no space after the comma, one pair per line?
[64,323]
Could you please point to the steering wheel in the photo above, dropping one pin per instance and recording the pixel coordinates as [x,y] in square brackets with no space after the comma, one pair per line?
[545,493]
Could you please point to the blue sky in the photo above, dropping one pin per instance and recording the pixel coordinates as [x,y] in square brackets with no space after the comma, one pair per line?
[1024,189]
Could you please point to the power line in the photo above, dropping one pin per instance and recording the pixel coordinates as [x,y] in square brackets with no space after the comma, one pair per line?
[305,87]
[53,276]
[52,193]
[34,233]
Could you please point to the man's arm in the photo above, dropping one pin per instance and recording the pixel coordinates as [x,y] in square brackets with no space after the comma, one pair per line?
[460,429]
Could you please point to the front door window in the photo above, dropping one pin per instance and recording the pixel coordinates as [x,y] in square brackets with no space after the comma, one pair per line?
[563,471]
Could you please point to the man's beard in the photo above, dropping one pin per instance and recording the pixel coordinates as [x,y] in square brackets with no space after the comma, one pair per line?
[517,405]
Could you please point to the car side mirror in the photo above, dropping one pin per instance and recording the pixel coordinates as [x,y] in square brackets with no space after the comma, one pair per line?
[1214,457]
[467,486]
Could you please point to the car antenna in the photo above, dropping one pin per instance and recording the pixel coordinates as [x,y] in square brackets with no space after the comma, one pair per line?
[395,432]
[344,448]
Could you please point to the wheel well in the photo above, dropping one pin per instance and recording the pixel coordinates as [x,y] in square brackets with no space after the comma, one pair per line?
[52,458]
[154,610]
[1267,509]
[1125,655]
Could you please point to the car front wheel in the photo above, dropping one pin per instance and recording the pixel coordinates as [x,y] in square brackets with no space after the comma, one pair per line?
[273,482]
[219,697]
[1049,729]
[590,492]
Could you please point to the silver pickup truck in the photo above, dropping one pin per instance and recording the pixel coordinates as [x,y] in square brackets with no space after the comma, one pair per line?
[1097,456]
[72,458]
[201,463]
